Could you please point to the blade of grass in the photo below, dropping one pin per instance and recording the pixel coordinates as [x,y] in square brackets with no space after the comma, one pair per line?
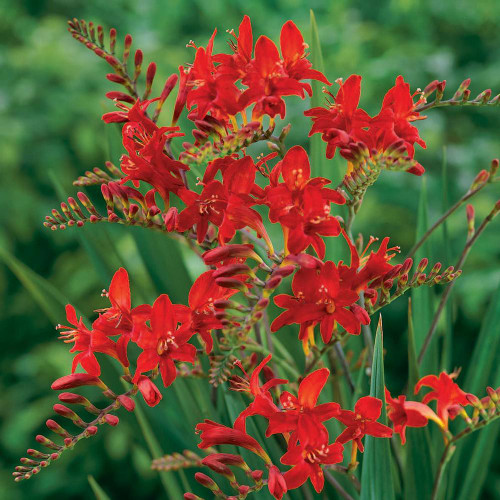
[168,479]
[473,455]
[446,354]
[48,297]
[99,493]
[376,476]
[418,470]
[422,297]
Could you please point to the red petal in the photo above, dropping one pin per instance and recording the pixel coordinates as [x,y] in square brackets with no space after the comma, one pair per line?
[119,290]
[311,386]
[368,407]
[291,42]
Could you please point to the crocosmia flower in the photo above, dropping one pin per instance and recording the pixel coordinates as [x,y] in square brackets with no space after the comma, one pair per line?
[363,421]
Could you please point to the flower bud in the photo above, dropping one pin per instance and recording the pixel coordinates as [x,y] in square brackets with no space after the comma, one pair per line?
[422,265]
[481,178]
[257,475]
[225,252]
[206,481]
[47,442]
[112,420]
[112,40]
[126,47]
[276,482]
[91,430]
[231,283]
[149,391]
[126,402]
[243,489]
[231,270]
[115,78]
[273,283]
[76,380]
[494,167]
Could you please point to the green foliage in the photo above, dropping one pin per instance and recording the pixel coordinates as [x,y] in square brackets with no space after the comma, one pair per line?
[376,476]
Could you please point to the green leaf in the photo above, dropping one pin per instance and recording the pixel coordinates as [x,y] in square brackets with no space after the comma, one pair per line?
[446,354]
[478,459]
[48,297]
[376,476]
[99,493]
[422,297]
[168,479]
[317,146]
[163,259]
[473,454]
[418,471]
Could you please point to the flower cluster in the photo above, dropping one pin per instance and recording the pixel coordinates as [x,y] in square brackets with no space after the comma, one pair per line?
[266,76]
[300,420]
[216,197]
[162,331]
[343,123]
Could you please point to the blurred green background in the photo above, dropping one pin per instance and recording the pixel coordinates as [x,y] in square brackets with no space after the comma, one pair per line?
[51,100]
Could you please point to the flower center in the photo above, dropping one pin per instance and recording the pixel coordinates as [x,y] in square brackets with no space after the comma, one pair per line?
[330,307]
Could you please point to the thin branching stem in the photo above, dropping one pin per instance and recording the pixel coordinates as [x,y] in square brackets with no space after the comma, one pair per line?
[449,288]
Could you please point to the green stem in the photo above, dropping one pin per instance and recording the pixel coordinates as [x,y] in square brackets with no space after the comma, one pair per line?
[448,290]
[469,194]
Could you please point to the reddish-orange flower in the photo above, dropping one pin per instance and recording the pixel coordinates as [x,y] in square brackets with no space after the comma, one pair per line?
[87,342]
[393,121]
[202,296]
[120,318]
[450,398]
[263,402]
[362,421]
[213,434]
[302,204]
[301,414]
[306,461]
[343,120]
[166,342]
[405,414]
[319,298]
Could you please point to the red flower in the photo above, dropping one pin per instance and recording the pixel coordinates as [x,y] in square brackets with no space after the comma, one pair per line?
[302,204]
[202,295]
[362,421]
[120,318]
[276,483]
[301,413]
[209,206]
[269,77]
[365,269]
[405,414]
[307,460]
[342,121]
[213,92]
[87,342]
[319,297]
[149,391]
[146,160]
[213,434]
[226,205]
[263,402]
[393,121]
[165,342]
[235,65]
[447,393]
